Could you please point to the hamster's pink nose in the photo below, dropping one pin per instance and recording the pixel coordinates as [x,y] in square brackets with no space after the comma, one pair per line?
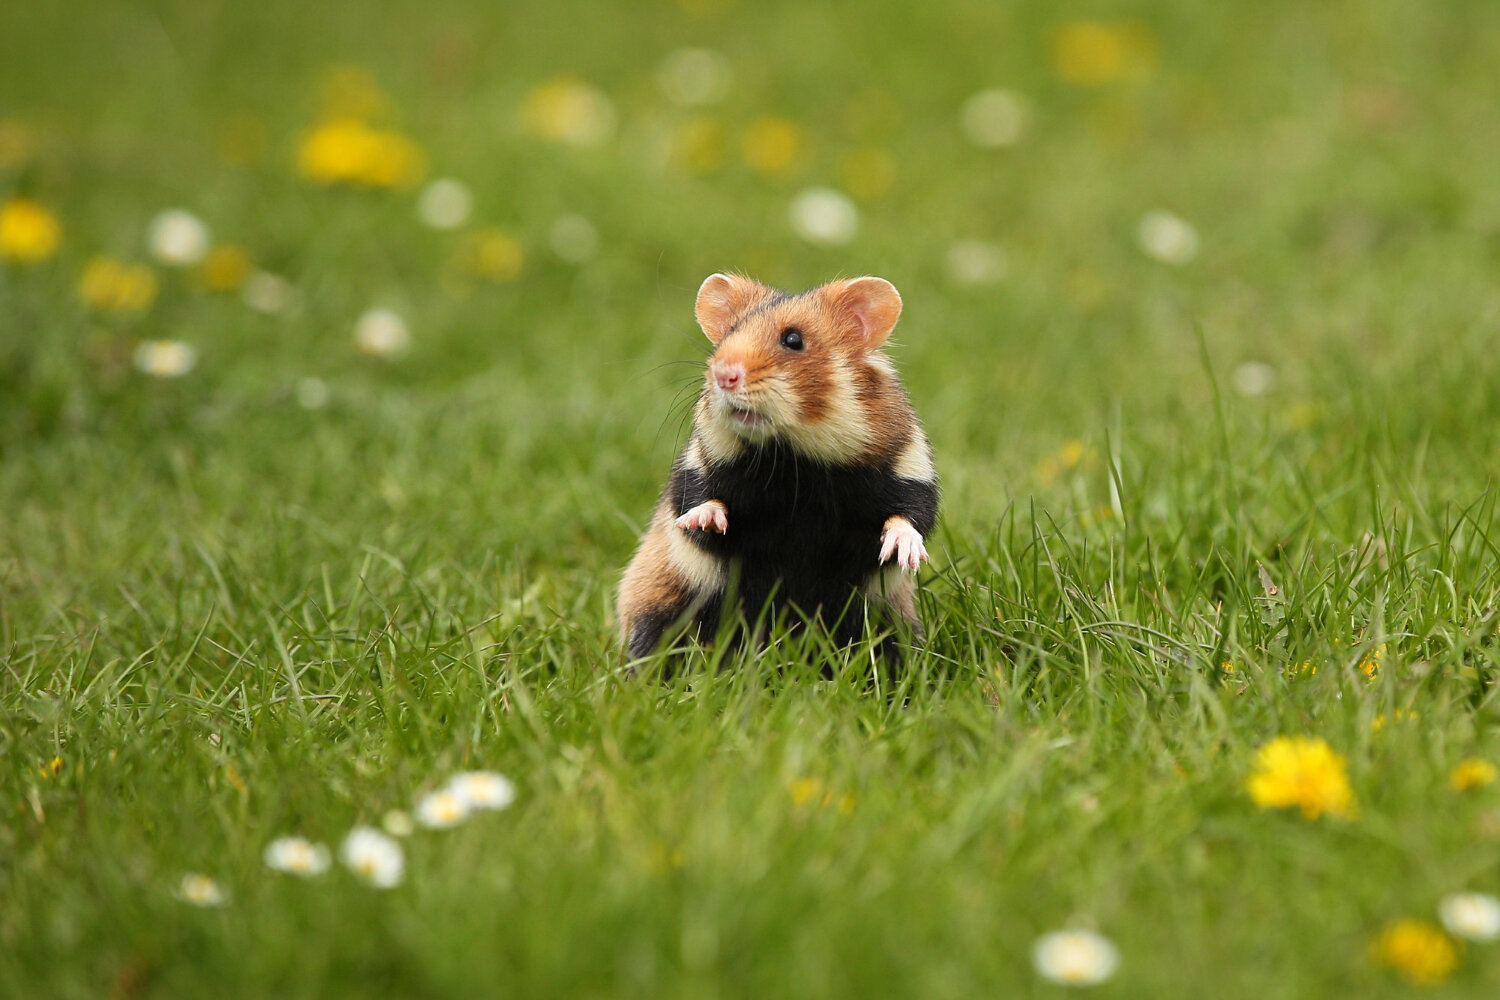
[730,376]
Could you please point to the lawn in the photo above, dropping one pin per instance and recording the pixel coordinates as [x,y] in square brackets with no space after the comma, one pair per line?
[317,495]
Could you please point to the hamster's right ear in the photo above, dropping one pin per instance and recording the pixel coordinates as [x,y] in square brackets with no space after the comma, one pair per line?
[722,299]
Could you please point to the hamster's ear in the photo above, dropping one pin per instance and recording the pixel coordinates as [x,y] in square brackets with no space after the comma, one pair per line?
[872,304]
[722,299]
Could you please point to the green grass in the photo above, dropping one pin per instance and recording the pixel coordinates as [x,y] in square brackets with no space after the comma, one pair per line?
[234,618]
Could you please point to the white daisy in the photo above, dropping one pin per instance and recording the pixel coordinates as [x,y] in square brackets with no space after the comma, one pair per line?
[178,238]
[382,333]
[992,119]
[1166,237]
[693,77]
[1075,957]
[441,809]
[483,789]
[397,823]
[445,204]
[200,890]
[374,857]
[1471,915]
[824,216]
[165,358]
[267,293]
[297,856]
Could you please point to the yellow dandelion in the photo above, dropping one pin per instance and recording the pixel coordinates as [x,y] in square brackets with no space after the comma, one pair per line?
[568,110]
[773,146]
[224,269]
[52,768]
[1399,715]
[1302,771]
[1370,665]
[1472,773]
[29,233]
[1093,53]
[348,151]
[490,253]
[110,285]
[1419,951]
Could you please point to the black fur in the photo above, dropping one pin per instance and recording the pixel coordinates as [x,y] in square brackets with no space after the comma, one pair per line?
[803,535]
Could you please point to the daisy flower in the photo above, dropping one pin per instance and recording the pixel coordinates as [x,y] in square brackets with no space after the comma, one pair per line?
[374,857]
[200,890]
[483,789]
[1075,957]
[442,809]
[297,856]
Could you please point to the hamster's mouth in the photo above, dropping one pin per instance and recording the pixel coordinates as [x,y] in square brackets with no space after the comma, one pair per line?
[748,419]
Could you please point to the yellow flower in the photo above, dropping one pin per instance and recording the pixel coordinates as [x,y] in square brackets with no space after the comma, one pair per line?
[224,269]
[772,146]
[1092,53]
[1301,771]
[348,151]
[1420,952]
[489,253]
[28,232]
[52,768]
[1472,773]
[566,109]
[1070,456]
[110,285]
[1399,715]
[805,790]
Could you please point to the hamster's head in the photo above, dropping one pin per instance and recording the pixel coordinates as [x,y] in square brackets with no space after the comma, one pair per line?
[784,365]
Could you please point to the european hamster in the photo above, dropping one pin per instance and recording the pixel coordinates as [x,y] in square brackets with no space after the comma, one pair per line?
[807,481]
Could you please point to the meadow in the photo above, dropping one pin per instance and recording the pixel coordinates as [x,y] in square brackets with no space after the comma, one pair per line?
[314,492]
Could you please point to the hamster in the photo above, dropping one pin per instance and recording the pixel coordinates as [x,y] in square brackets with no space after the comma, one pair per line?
[807,484]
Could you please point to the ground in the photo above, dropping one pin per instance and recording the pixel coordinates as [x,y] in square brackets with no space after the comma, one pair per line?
[1200,318]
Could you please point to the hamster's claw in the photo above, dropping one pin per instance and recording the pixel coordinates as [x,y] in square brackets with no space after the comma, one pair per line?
[905,543]
[710,515]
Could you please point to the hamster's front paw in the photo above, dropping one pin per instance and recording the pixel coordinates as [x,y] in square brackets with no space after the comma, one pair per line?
[904,542]
[710,515]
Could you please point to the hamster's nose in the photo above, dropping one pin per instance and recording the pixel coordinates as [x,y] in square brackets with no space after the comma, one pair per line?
[729,376]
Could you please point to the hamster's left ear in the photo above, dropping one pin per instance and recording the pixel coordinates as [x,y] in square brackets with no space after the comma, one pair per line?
[872,304]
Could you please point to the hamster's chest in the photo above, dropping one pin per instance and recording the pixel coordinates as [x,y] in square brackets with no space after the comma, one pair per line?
[784,509]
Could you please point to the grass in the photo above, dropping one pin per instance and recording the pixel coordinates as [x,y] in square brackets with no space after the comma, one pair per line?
[231,617]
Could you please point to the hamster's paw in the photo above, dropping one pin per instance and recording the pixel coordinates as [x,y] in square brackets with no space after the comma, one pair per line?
[710,515]
[904,542]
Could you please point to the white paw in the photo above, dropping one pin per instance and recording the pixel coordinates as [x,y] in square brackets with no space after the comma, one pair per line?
[904,542]
[710,515]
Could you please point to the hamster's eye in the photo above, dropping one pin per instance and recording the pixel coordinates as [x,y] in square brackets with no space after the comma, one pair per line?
[791,338]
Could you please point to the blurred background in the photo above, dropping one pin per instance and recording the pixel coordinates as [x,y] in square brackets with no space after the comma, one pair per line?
[358,268]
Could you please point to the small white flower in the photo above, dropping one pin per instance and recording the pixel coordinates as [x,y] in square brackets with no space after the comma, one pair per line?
[382,333]
[313,393]
[824,216]
[1166,237]
[992,119]
[178,238]
[441,809]
[373,856]
[573,238]
[1075,958]
[1253,378]
[483,789]
[397,823]
[200,890]
[975,262]
[445,204]
[297,856]
[694,77]
[165,358]
[267,293]
[1471,915]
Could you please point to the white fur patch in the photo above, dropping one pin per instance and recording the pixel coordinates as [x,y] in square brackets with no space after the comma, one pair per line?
[881,363]
[717,444]
[703,573]
[915,460]
[843,433]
